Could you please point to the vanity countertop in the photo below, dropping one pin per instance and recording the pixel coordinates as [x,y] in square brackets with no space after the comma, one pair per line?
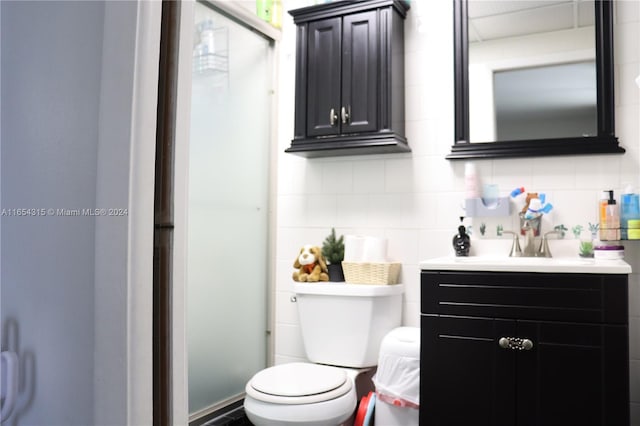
[570,265]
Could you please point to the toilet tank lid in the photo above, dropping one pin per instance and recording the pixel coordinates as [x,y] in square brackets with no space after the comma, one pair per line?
[344,289]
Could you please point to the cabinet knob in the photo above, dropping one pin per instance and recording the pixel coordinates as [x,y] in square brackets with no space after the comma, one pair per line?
[333,117]
[504,343]
[527,344]
[345,113]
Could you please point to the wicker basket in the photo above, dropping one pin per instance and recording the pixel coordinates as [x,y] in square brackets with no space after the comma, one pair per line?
[371,273]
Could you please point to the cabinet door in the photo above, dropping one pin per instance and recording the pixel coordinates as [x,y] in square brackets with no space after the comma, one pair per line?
[360,91]
[465,378]
[576,374]
[323,82]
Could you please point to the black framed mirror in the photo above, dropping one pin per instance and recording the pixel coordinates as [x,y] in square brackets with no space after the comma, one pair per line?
[595,138]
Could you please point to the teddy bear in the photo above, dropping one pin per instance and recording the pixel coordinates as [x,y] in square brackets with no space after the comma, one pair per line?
[311,265]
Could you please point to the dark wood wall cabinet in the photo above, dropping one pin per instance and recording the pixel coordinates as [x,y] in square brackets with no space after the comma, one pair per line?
[349,78]
[515,348]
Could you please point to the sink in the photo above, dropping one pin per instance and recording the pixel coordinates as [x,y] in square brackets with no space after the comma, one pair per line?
[526,261]
[573,264]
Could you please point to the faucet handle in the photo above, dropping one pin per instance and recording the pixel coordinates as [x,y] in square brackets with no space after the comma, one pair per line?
[516,251]
[544,245]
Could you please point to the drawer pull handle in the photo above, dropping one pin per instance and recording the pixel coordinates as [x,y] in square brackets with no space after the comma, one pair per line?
[515,343]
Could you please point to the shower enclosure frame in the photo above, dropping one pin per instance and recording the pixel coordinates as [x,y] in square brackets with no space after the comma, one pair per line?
[170,345]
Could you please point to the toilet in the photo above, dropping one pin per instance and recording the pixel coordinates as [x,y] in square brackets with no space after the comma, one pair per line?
[342,326]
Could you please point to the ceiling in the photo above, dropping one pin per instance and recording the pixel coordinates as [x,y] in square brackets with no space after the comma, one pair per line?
[495,19]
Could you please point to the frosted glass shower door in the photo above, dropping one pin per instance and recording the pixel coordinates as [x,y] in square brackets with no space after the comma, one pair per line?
[228,208]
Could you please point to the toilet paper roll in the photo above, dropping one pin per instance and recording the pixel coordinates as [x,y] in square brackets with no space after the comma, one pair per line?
[375,250]
[353,248]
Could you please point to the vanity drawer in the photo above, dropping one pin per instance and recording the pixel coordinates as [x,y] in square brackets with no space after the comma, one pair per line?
[593,298]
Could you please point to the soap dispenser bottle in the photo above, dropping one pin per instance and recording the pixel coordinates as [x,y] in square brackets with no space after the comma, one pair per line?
[609,217]
[461,241]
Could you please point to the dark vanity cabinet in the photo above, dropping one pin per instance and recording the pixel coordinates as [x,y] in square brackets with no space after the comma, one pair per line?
[514,348]
[349,78]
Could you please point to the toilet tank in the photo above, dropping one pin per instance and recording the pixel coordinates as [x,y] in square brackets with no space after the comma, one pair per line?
[344,324]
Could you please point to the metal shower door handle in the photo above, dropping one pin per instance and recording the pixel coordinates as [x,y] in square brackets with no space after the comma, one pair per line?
[9,385]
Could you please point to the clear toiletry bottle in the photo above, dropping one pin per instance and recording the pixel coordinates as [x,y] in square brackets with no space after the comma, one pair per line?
[602,215]
[629,210]
[471,181]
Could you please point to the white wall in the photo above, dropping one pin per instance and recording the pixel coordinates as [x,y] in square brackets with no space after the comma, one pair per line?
[414,199]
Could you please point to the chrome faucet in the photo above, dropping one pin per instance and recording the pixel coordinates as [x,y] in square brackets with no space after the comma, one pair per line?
[544,246]
[530,249]
[516,251]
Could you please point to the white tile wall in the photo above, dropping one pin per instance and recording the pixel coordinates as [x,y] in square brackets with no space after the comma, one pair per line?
[414,199]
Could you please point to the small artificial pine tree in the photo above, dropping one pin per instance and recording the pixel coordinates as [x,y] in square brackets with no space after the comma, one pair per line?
[333,248]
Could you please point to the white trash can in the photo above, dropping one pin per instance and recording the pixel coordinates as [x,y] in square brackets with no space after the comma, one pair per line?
[397,380]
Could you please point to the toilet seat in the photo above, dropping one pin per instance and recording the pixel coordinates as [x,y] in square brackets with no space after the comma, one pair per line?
[326,395]
[299,383]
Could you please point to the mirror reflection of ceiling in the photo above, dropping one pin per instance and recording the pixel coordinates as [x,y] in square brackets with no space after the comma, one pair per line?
[495,19]
[575,81]
[560,102]
[531,69]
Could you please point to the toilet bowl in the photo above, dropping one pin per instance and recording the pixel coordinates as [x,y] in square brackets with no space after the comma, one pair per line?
[342,326]
[301,394]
